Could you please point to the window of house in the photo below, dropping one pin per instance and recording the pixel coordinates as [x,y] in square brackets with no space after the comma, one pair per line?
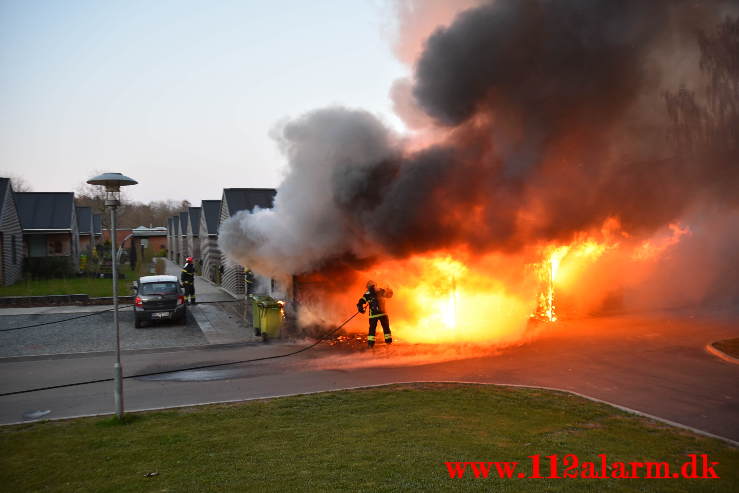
[37,246]
[56,247]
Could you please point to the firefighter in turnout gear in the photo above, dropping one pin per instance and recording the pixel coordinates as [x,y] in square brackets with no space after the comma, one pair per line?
[188,280]
[375,299]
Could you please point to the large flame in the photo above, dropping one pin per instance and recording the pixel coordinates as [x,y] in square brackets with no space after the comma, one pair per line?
[561,266]
[454,297]
[496,298]
[445,298]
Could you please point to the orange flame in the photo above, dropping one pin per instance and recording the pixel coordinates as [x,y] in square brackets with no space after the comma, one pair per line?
[458,297]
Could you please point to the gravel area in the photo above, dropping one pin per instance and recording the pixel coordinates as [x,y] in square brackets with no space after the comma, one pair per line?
[94,333]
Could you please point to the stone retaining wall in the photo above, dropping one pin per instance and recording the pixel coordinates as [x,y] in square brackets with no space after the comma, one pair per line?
[59,300]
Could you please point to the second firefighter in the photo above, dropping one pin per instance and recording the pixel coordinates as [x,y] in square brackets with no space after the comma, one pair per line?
[187,278]
[375,299]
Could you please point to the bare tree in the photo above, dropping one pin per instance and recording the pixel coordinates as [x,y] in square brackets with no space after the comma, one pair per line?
[18,183]
[720,61]
[710,124]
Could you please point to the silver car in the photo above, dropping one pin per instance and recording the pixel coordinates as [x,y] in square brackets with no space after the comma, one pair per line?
[159,298]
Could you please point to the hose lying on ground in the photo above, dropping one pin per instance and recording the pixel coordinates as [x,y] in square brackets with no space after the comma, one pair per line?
[200,367]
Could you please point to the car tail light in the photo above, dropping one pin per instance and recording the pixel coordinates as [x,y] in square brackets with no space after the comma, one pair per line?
[180,300]
[138,301]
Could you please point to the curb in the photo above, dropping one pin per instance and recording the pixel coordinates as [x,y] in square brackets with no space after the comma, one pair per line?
[628,410]
[720,354]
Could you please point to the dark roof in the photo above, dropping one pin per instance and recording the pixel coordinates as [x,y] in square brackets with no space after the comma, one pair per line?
[176,224]
[246,199]
[183,222]
[4,185]
[45,210]
[211,210]
[97,222]
[84,220]
[194,213]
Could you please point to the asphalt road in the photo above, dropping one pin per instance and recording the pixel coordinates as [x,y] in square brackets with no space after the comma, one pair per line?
[94,333]
[654,363]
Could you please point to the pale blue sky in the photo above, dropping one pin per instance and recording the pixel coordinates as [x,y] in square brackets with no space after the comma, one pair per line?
[180,95]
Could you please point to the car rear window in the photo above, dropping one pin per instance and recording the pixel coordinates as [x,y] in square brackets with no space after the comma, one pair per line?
[159,288]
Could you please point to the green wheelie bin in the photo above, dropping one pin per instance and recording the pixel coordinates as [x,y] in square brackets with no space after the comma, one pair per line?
[267,316]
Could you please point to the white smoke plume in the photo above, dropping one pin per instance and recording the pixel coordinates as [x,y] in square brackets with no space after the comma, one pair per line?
[329,152]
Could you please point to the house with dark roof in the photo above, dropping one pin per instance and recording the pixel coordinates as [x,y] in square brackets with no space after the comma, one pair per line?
[175,230]
[85,227]
[170,249]
[49,222]
[11,236]
[184,249]
[210,255]
[97,227]
[235,200]
[193,233]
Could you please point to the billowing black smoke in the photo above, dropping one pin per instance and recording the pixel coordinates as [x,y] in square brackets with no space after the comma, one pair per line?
[547,62]
[555,120]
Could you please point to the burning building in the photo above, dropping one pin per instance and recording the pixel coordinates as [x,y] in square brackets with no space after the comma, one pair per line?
[567,158]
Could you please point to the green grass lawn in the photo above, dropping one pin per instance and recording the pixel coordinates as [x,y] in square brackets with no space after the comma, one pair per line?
[393,438]
[76,285]
[728,346]
[95,287]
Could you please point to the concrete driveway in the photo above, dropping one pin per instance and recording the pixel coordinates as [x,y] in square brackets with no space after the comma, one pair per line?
[653,363]
[93,333]
[218,319]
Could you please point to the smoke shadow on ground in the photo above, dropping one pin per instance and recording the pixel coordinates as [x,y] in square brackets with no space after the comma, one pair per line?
[397,354]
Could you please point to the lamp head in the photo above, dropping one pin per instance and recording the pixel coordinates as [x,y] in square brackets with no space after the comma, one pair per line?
[112,183]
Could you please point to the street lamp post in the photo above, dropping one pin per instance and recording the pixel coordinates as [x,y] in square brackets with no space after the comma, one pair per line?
[113,183]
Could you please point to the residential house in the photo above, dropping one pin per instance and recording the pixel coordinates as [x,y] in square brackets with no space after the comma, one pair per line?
[170,248]
[85,227]
[176,252]
[233,201]
[154,239]
[49,222]
[97,227]
[11,236]
[193,233]
[184,247]
[210,255]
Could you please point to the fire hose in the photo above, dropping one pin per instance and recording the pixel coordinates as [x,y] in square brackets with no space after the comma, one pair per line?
[190,368]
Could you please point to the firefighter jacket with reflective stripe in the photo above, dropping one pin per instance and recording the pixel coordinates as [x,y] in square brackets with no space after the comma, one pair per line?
[376,302]
[188,273]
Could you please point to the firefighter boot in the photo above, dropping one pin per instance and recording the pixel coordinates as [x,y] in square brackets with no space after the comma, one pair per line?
[388,338]
[371,341]
[192,301]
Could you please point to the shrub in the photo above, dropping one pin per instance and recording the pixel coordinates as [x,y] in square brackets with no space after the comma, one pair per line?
[48,267]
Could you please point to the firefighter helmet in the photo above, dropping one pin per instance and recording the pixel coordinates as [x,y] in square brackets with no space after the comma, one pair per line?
[371,284]
[188,259]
